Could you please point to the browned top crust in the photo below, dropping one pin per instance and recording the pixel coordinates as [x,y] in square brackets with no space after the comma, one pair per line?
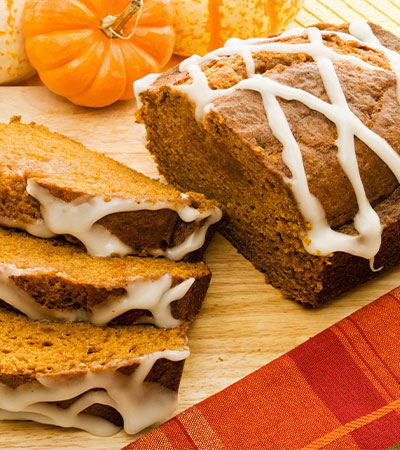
[68,169]
[371,96]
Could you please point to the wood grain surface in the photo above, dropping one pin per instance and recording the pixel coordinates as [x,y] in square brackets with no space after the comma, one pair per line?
[383,12]
[244,323]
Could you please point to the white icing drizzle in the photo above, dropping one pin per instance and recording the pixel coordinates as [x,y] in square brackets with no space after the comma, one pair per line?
[155,296]
[139,402]
[78,218]
[202,95]
[320,239]
[37,228]
[142,84]
[249,61]
[196,239]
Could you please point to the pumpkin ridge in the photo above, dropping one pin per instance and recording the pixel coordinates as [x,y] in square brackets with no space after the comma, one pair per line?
[93,69]
[137,40]
[71,29]
[90,6]
[127,79]
[106,54]
[142,54]
[38,16]
[50,62]
[87,9]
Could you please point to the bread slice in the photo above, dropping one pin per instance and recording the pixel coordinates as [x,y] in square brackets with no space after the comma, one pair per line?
[49,279]
[82,376]
[51,185]
[256,125]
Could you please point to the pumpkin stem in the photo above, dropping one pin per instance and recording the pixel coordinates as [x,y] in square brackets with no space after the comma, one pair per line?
[113,26]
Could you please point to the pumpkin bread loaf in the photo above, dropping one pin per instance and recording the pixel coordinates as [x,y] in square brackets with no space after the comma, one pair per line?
[50,279]
[51,185]
[107,378]
[298,136]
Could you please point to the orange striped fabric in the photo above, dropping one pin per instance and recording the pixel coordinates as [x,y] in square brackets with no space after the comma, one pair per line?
[338,391]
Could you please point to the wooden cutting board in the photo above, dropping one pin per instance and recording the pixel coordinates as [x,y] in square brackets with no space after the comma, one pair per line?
[244,323]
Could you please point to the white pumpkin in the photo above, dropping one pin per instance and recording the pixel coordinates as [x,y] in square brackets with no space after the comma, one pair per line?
[14,64]
[203,25]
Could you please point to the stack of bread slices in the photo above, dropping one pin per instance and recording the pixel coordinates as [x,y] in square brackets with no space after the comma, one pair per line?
[100,275]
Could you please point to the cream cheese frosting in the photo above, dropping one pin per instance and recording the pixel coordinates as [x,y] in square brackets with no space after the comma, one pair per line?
[140,403]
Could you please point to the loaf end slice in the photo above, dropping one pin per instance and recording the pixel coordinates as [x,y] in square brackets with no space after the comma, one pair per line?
[48,279]
[92,378]
[254,126]
[51,185]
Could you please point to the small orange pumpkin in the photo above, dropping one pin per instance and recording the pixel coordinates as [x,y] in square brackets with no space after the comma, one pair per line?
[91,51]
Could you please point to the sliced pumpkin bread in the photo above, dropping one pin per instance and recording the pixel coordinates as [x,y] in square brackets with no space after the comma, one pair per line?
[51,185]
[50,279]
[82,376]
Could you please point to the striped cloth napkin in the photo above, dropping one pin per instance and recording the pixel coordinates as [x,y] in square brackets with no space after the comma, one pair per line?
[338,391]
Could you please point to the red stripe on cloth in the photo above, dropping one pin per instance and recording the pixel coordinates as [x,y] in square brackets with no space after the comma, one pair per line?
[201,431]
[336,378]
[370,345]
[380,322]
[380,434]
[380,380]
[192,445]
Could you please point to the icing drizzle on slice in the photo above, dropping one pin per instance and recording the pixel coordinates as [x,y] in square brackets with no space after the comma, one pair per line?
[140,403]
[154,295]
[320,239]
[78,218]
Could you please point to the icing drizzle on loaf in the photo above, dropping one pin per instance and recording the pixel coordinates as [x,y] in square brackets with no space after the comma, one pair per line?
[320,239]
[139,402]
